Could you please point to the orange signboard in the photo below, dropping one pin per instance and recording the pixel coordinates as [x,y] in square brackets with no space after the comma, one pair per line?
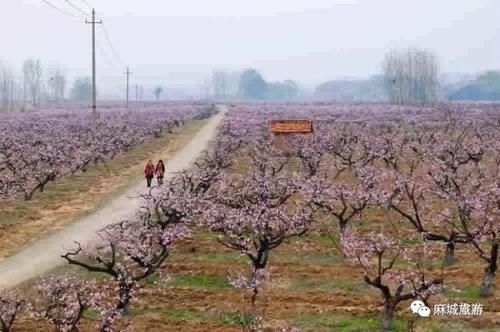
[291,126]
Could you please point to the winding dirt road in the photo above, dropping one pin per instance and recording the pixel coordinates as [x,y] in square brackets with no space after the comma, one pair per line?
[44,255]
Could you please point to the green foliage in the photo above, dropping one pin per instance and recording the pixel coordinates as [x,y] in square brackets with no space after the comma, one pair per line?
[21,207]
[371,89]
[157,92]
[172,313]
[310,258]
[182,315]
[220,257]
[235,318]
[252,85]
[82,89]
[152,279]
[344,323]
[200,281]
[91,314]
[463,293]
[282,91]
[485,87]
[329,285]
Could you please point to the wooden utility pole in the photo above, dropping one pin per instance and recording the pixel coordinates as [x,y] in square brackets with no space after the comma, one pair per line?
[94,89]
[128,73]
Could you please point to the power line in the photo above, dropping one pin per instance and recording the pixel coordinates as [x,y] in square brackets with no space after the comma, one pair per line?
[60,9]
[113,50]
[86,3]
[104,55]
[77,8]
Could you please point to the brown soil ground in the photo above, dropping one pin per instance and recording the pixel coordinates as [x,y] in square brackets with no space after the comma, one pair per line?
[313,288]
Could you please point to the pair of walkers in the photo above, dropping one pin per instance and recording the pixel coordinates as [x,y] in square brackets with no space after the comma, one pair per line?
[150,171]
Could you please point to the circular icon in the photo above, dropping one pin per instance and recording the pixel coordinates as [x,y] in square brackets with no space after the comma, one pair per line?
[424,311]
[415,305]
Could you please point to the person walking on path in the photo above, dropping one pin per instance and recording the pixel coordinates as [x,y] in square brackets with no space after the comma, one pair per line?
[149,172]
[160,172]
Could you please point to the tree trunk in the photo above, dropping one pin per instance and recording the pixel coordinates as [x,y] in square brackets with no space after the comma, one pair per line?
[410,327]
[124,300]
[489,272]
[387,316]
[122,307]
[488,277]
[255,292]
[28,196]
[343,226]
[449,257]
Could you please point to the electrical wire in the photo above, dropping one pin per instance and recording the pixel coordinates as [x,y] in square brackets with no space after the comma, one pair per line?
[60,9]
[77,8]
[113,50]
[104,55]
[86,3]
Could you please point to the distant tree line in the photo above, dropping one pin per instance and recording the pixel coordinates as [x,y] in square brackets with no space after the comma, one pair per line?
[82,89]
[250,85]
[32,85]
[253,86]
[484,88]
[352,90]
[35,84]
[225,84]
[409,77]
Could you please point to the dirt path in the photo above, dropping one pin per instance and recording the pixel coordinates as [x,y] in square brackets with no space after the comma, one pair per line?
[44,255]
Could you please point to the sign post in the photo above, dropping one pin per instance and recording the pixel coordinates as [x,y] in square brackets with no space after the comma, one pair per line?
[291,126]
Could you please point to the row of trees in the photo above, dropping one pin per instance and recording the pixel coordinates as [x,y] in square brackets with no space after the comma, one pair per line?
[36,149]
[410,77]
[484,87]
[225,84]
[250,85]
[31,86]
[37,84]
[253,86]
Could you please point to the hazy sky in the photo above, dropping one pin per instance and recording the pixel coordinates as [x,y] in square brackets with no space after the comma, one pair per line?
[306,40]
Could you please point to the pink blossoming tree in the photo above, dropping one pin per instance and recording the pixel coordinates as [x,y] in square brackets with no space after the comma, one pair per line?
[377,255]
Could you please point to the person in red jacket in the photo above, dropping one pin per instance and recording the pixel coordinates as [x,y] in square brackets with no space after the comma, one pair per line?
[149,172]
[160,172]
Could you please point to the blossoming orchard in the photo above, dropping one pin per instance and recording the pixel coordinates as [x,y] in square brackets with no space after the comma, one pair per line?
[337,229]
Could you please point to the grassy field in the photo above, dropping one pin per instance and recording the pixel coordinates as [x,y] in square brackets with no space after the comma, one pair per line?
[68,198]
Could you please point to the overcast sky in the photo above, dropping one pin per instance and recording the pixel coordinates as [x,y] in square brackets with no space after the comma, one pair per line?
[306,40]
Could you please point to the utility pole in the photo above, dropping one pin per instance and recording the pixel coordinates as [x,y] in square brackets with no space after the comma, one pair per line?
[94,89]
[128,73]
